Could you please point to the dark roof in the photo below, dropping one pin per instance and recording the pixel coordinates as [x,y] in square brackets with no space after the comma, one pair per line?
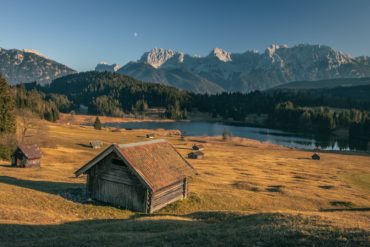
[156,163]
[31,151]
[198,146]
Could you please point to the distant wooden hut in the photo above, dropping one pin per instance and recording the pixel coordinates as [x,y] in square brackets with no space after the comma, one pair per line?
[315,156]
[96,144]
[198,147]
[150,135]
[27,156]
[196,155]
[144,176]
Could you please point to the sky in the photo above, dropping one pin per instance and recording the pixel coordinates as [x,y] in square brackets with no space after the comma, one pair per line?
[82,33]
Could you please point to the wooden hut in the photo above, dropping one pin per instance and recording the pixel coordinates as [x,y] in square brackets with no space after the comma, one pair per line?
[315,156]
[95,144]
[150,135]
[196,155]
[198,147]
[144,176]
[27,156]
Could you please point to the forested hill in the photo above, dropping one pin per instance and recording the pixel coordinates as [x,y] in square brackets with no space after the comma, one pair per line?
[110,93]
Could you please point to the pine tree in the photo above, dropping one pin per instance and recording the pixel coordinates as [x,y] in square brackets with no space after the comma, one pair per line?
[97,124]
[7,106]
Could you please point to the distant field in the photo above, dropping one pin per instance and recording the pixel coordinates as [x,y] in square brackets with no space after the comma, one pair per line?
[246,193]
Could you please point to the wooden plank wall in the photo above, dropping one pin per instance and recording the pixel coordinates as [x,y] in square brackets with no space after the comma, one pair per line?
[167,195]
[111,181]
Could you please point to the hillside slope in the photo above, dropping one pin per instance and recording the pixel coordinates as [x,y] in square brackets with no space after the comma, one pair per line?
[246,193]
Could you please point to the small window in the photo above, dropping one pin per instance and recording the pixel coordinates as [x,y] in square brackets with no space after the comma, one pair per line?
[118,162]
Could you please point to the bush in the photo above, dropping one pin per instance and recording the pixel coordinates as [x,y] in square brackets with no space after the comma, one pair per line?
[5,152]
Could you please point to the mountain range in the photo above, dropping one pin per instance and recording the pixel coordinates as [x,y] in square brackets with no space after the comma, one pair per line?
[22,66]
[244,72]
[217,72]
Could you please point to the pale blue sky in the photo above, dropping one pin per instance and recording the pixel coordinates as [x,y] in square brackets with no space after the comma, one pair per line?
[81,33]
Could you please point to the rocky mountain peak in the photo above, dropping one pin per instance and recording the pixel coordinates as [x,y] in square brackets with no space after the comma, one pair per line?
[273,48]
[29,65]
[104,66]
[35,52]
[222,55]
[158,56]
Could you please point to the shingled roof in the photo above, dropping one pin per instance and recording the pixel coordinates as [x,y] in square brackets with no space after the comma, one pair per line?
[156,163]
[31,151]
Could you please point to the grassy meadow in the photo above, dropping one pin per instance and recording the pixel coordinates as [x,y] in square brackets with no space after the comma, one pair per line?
[246,193]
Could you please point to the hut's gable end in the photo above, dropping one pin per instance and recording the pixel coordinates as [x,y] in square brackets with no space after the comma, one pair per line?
[112,168]
[110,180]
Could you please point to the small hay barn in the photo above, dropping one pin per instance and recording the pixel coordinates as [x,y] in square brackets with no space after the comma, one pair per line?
[144,176]
[198,147]
[196,155]
[27,156]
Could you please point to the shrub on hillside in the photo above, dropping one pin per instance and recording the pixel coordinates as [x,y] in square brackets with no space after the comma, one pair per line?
[5,152]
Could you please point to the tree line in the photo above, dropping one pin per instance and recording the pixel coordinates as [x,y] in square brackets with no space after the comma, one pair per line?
[318,110]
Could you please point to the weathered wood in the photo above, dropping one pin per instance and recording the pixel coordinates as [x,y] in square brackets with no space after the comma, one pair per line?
[167,195]
[113,183]
[185,188]
[139,177]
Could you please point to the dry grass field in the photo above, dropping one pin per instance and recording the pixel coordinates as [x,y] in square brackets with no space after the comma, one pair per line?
[246,193]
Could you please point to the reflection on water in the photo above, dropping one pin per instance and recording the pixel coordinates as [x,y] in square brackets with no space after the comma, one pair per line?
[289,139]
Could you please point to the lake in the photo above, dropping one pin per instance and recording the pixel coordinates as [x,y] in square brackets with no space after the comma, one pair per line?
[284,138]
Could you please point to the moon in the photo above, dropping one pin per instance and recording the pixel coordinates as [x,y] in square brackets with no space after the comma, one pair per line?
[136,34]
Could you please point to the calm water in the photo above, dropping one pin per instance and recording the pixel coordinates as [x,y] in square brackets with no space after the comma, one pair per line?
[288,139]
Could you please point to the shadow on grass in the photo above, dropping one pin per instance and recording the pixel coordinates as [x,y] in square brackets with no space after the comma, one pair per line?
[71,191]
[304,158]
[8,166]
[84,145]
[343,209]
[206,229]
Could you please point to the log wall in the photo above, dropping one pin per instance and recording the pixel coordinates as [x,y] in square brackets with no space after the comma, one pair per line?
[165,196]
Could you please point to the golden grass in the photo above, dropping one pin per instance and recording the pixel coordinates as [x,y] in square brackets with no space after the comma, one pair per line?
[239,179]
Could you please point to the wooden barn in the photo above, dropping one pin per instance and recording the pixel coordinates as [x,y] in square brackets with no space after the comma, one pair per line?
[143,176]
[150,135]
[27,156]
[198,147]
[196,155]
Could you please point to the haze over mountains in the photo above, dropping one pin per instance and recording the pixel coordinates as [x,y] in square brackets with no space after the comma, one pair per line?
[19,66]
[217,72]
